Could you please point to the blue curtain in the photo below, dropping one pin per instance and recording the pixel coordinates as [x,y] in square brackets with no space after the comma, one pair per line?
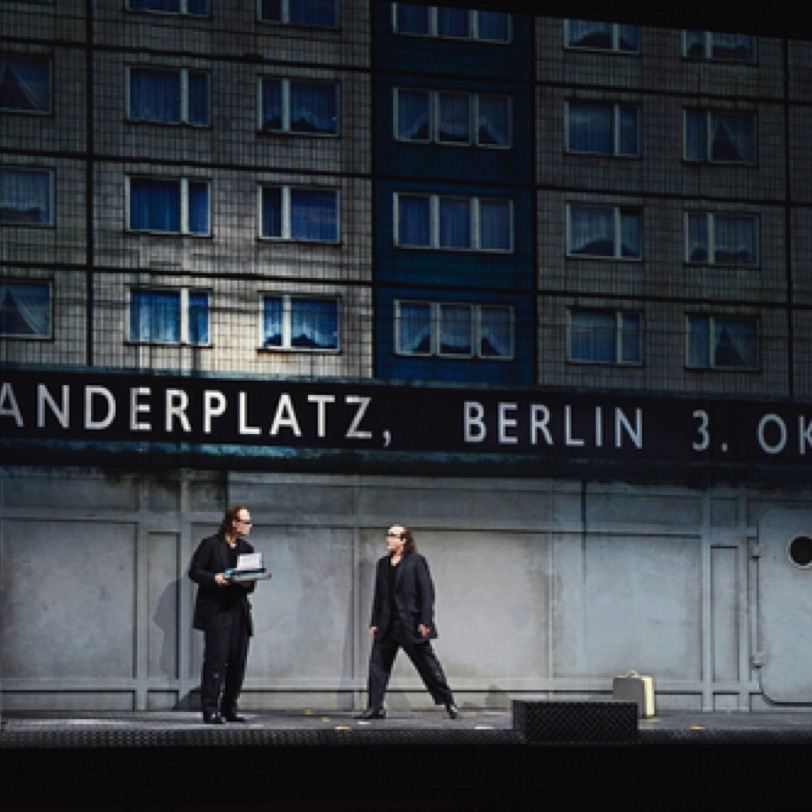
[592,336]
[496,229]
[272,313]
[455,223]
[25,196]
[155,205]
[496,332]
[271,212]
[198,208]
[493,121]
[589,128]
[413,115]
[313,215]
[155,96]
[155,316]
[414,221]
[456,330]
[272,118]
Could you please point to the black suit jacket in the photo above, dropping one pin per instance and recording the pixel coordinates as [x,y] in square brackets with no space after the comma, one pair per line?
[414,596]
[210,558]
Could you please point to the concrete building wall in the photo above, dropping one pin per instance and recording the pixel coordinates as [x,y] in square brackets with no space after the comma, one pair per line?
[545,588]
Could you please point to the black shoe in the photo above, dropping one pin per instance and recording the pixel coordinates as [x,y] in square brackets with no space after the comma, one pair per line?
[232,717]
[212,719]
[372,713]
[452,710]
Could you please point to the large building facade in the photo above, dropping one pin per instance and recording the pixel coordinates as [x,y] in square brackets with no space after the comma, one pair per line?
[539,288]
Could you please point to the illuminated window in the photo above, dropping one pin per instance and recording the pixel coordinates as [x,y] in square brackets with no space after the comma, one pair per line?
[163,316]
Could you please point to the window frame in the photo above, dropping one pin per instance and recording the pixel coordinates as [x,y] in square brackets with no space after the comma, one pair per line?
[286,106]
[433,25]
[47,284]
[616,109]
[185,96]
[620,318]
[618,211]
[709,44]
[287,191]
[712,219]
[434,118]
[435,201]
[711,116]
[184,312]
[288,300]
[51,210]
[183,201]
[183,10]
[615,37]
[285,16]
[435,327]
[712,321]
[48,109]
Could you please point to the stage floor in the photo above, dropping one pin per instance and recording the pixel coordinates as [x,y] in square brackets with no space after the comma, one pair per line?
[414,761]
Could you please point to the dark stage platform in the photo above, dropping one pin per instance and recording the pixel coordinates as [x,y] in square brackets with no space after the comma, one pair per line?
[410,762]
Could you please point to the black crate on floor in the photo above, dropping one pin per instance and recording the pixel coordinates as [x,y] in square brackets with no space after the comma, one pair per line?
[563,721]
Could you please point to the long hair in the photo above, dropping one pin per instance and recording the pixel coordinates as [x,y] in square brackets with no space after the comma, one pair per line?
[408,540]
[231,515]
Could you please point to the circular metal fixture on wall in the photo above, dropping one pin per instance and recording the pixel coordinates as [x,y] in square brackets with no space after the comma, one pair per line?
[799,551]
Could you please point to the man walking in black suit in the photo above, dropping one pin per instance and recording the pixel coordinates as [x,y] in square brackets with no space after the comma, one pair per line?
[403,617]
[223,613]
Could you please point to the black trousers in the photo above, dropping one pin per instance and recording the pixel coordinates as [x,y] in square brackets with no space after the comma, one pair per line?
[224,660]
[382,658]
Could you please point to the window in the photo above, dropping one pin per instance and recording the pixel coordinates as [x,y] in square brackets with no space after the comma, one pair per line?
[25,83]
[720,137]
[722,343]
[453,223]
[299,323]
[305,108]
[446,117]
[307,13]
[597,128]
[299,214]
[169,96]
[195,8]
[162,316]
[600,36]
[719,47]
[722,239]
[605,337]
[169,206]
[26,196]
[25,310]
[449,22]
[614,232]
[454,330]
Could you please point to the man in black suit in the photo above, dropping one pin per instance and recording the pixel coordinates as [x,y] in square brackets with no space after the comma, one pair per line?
[223,613]
[403,617]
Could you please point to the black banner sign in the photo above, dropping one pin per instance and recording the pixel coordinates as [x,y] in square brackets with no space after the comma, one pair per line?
[365,426]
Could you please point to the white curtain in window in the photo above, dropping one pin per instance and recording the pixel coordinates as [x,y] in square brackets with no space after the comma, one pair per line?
[413,113]
[456,325]
[313,215]
[455,223]
[25,196]
[414,328]
[493,121]
[155,316]
[495,332]
[592,231]
[735,240]
[272,313]
[590,128]
[733,138]
[495,225]
[592,337]
[313,108]
[454,118]
[314,324]
[25,309]
[414,221]
[589,34]
[25,84]
[155,96]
